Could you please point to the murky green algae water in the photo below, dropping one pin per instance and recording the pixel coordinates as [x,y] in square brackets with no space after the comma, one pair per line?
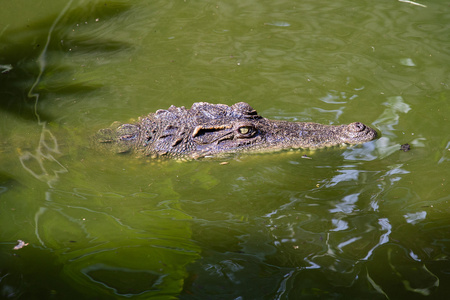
[369,222]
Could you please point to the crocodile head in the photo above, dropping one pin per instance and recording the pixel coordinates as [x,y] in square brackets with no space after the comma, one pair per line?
[212,129]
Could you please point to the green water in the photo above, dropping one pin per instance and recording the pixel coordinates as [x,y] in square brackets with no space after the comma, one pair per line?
[369,222]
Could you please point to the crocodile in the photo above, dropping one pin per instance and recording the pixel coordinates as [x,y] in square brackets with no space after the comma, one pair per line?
[208,129]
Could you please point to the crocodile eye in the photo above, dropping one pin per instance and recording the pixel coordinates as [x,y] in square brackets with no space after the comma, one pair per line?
[246,131]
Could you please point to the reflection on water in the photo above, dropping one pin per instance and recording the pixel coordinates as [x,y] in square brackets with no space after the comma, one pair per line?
[413,218]
[386,122]
[123,281]
[42,164]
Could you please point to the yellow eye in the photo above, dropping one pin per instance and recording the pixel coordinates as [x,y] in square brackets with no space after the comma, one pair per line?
[244,130]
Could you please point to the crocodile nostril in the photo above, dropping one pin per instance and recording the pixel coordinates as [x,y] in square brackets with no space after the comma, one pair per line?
[357,126]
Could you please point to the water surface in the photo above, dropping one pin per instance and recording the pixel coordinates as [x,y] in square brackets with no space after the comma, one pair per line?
[366,222]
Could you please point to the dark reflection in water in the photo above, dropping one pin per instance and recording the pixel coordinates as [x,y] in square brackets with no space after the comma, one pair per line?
[38,55]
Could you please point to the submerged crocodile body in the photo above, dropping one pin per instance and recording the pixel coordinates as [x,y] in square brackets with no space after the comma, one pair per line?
[213,129]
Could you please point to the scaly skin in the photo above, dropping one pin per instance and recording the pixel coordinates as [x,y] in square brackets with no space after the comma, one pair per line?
[213,129]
